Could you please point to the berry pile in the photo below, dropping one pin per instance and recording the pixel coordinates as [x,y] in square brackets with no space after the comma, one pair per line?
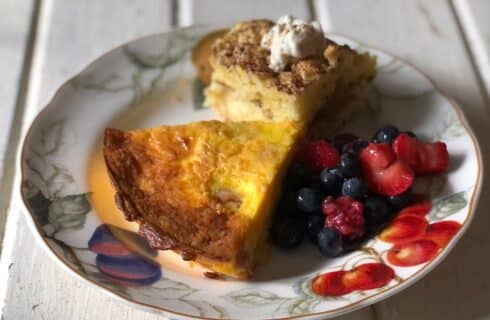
[342,191]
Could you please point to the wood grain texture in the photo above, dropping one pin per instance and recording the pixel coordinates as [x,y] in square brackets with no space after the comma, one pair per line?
[14,49]
[70,35]
[426,34]
[14,29]
[226,13]
[14,35]
[474,18]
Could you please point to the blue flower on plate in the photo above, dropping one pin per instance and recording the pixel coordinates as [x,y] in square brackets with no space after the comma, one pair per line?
[119,262]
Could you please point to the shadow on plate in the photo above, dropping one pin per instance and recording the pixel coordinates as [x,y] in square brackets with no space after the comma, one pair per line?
[282,264]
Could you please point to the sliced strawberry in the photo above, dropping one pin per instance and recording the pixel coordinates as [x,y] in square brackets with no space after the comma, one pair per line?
[383,173]
[441,232]
[330,284]
[318,155]
[412,253]
[394,180]
[423,158]
[406,148]
[434,157]
[377,156]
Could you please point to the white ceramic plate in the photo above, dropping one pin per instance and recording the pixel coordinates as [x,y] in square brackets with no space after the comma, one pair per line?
[149,82]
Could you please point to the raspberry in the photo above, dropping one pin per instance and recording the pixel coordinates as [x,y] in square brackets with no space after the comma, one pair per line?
[318,155]
[345,215]
[330,206]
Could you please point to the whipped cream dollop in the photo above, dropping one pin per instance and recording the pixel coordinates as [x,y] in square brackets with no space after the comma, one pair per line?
[293,39]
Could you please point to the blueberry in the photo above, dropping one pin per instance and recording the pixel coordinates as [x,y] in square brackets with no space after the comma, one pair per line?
[298,176]
[355,147]
[309,200]
[331,181]
[288,232]
[354,188]
[287,205]
[314,224]
[349,165]
[386,134]
[400,201]
[337,172]
[376,210]
[329,242]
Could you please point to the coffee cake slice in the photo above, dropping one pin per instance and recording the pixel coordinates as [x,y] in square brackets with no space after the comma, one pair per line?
[244,87]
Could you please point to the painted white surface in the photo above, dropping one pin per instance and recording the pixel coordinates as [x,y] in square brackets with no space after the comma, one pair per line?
[71,33]
[14,39]
[226,13]
[474,16]
[14,34]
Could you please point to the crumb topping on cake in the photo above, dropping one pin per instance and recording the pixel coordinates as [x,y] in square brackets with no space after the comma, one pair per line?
[241,47]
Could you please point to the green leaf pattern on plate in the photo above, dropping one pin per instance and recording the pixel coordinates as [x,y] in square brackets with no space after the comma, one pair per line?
[254,297]
[109,83]
[451,128]
[49,188]
[303,301]
[170,289]
[150,66]
[257,298]
[68,212]
[179,293]
[448,205]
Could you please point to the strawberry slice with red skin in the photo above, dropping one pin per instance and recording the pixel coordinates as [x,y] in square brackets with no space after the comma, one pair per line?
[382,172]
[377,156]
[441,232]
[412,253]
[392,181]
[423,158]
[318,155]
[330,284]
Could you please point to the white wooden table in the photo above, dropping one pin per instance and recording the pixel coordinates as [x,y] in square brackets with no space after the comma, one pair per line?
[44,42]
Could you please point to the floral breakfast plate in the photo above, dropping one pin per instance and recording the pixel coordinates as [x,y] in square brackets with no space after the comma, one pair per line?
[149,82]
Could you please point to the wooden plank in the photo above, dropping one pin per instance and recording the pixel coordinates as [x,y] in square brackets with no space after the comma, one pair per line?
[473,15]
[226,13]
[70,34]
[14,36]
[14,31]
[427,35]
